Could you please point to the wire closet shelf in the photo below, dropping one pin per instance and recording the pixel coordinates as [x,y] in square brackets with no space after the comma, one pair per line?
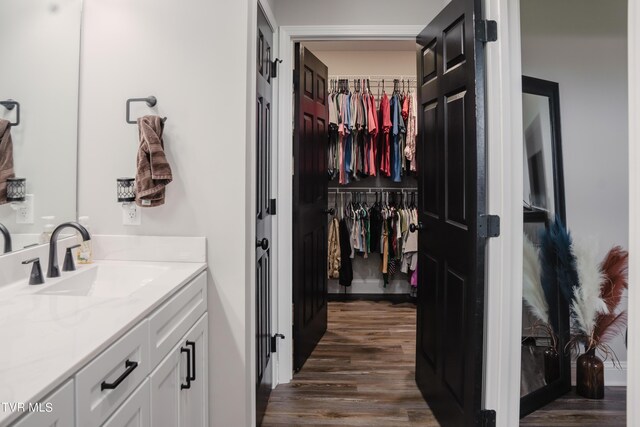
[378,81]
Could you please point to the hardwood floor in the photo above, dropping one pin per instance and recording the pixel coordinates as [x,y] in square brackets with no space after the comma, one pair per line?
[362,374]
[573,410]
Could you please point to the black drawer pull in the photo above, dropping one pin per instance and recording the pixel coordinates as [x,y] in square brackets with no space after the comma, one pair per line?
[130,367]
[192,344]
[188,384]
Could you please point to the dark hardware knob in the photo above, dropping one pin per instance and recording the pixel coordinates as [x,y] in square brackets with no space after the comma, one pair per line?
[68,264]
[130,367]
[414,227]
[189,368]
[330,211]
[263,244]
[36,277]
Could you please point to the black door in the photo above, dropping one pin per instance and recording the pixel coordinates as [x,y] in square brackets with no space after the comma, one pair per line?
[263,217]
[452,192]
[310,195]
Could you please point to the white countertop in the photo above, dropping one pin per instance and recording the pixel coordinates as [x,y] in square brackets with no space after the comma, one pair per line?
[45,339]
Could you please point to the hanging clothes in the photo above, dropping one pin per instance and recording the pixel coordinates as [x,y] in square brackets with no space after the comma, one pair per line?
[346,269]
[382,228]
[333,252]
[333,168]
[372,130]
[412,132]
[385,151]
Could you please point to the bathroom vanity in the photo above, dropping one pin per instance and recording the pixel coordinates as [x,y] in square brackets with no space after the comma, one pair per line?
[119,342]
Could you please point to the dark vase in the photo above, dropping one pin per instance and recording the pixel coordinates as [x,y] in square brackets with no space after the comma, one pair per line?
[590,376]
[551,365]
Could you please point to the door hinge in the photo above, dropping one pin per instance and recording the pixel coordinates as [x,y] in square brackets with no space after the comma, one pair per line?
[295,81]
[274,342]
[272,206]
[489,226]
[274,67]
[488,418]
[486,31]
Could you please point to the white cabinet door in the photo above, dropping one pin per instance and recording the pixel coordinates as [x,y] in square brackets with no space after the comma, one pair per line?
[55,410]
[134,412]
[194,400]
[165,390]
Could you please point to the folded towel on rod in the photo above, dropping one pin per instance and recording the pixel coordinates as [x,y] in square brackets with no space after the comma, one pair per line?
[6,158]
[153,171]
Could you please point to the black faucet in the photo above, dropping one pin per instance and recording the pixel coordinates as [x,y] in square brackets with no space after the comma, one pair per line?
[7,238]
[53,270]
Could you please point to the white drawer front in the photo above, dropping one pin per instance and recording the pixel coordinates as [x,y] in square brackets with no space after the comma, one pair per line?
[134,412]
[171,321]
[60,405]
[94,401]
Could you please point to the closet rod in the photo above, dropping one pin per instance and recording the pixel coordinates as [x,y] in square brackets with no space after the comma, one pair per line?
[371,77]
[373,190]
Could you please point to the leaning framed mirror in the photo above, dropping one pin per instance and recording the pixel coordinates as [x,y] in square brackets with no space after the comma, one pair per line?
[39,81]
[545,372]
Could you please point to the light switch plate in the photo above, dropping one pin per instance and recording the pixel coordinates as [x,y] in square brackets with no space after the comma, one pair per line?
[24,210]
[131,214]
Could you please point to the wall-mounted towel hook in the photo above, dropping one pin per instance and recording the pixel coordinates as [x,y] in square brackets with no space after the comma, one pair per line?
[151,102]
[10,104]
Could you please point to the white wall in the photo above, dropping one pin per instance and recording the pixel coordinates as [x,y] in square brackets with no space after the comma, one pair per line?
[356,12]
[399,63]
[40,43]
[582,45]
[194,58]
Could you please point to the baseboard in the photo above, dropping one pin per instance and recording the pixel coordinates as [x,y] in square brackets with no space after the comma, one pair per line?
[394,298]
[614,376]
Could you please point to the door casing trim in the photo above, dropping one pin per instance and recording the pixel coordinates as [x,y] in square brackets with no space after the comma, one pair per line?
[283,132]
[501,340]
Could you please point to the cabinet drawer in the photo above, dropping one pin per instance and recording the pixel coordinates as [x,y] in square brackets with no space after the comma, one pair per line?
[105,382]
[134,412]
[171,321]
[60,405]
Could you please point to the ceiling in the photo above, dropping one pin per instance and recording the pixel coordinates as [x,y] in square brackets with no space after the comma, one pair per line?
[361,45]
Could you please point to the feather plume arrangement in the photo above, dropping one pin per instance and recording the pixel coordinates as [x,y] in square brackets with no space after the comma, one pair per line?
[558,267]
[614,270]
[587,303]
[532,290]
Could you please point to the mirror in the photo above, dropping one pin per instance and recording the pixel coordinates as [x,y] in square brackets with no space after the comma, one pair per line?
[545,373]
[40,71]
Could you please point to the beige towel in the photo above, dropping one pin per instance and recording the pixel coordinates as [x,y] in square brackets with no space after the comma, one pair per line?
[6,158]
[153,170]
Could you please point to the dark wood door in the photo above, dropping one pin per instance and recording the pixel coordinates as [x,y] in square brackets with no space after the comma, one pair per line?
[451,161]
[264,380]
[310,196]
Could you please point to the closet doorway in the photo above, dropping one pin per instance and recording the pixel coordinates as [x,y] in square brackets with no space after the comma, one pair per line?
[450,220]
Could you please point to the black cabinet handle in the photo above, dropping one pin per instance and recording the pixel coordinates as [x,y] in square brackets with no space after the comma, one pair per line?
[130,367]
[263,244]
[192,344]
[188,384]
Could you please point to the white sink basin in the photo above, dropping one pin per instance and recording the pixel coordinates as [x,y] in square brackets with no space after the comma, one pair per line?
[111,281]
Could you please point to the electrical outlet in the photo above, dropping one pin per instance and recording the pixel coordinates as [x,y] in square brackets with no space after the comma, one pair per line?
[24,210]
[131,214]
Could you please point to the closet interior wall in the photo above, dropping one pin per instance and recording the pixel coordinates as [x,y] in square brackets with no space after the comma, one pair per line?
[369,58]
